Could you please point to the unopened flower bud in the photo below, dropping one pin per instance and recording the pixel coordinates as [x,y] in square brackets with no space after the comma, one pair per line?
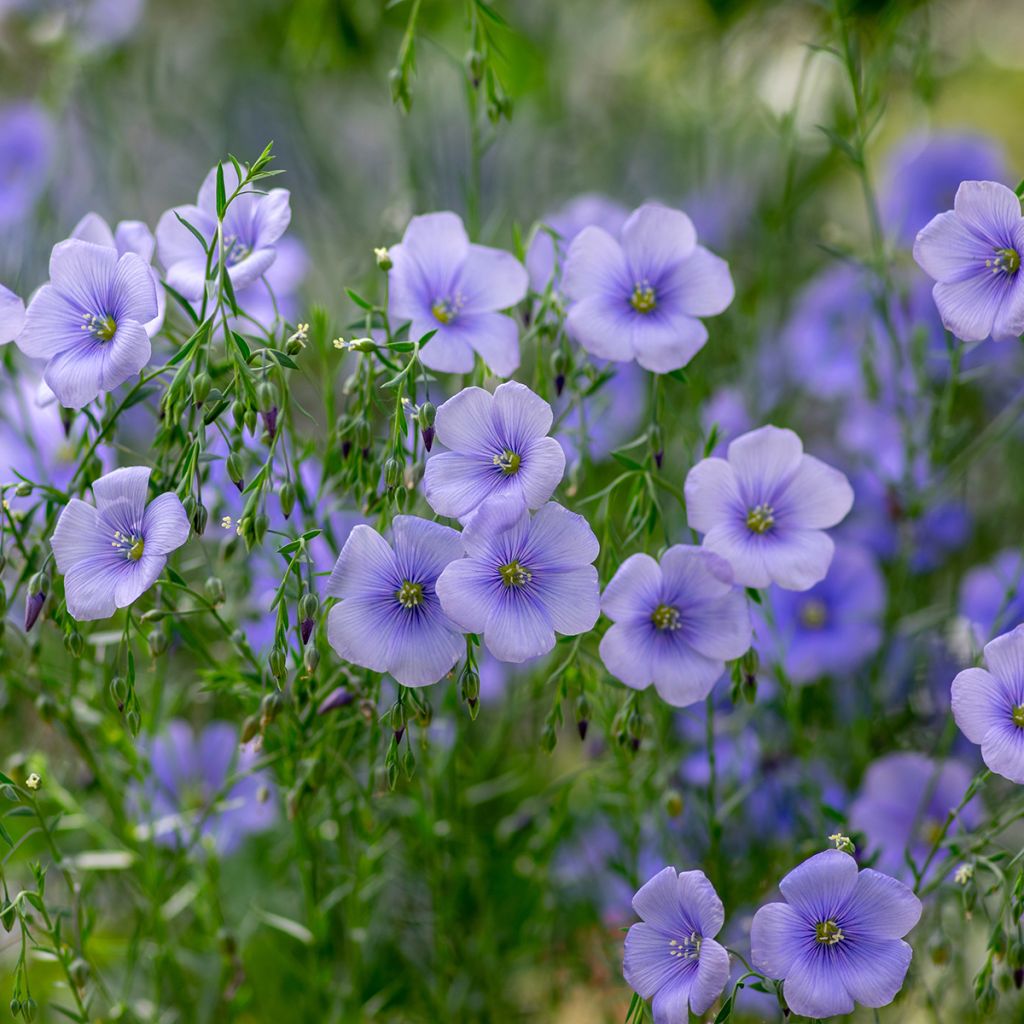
[250,728]
[260,526]
[287,498]
[238,412]
[34,600]
[250,420]
[426,415]
[392,473]
[278,663]
[339,698]
[270,707]
[73,643]
[214,590]
[266,397]
[383,258]
[656,443]
[159,641]
[133,722]
[199,520]
[235,472]
[475,67]
[201,385]
[559,366]
[582,715]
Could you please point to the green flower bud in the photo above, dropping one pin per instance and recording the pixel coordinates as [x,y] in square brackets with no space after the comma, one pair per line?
[199,520]
[238,412]
[309,606]
[79,971]
[214,590]
[119,691]
[392,473]
[383,258]
[270,707]
[310,660]
[236,473]
[201,385]
[133,722]
[159,641]
[23,490]
[28,1009]
[250,420]
[250,728]
[260,526]
[266,398]
[287,498]
[278,663]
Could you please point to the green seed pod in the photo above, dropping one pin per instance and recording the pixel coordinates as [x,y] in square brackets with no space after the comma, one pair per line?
[28,1009]
[73,643]
[119,690]
[250,420]
[238,412]
[392,473]
[133,722]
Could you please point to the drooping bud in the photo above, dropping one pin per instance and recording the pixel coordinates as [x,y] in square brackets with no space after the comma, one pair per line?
[392,473]
[426,415]
[73,643]
[287,497]
[35,599]
[270,707]
[310,660]
[657,446]
[201,385]
[582,715]
[214,588]
[158,641]
[475,67]
[199,520]
[559,366]
[339,698]
[278,663]
[234,468]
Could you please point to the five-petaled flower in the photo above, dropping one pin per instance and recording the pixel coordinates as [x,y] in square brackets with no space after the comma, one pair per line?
[253,223]
[764,509]
[675,624]
[837,938]
[973,252]
[389,618]
[441,282]
[523,579]
[640,296]
[989,705]
[497,445]
[111,554]
[90,321]
[672,954]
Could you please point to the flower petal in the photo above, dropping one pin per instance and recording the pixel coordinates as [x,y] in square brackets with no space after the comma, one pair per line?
[365,565]
[561,539]
[775,939]
[463,423]
[655,240]
[702,904]
[1002,750]
[664,341]
[882,907]
[821,885]
[1005,657]
[519,413]
[604,327]
[518,627]
[814,988]
[491,279]
[797,559]
[764,461]
[712,976]
[626,650]
[816,497]
[165,526]
[979,702]
[572,598]
[712,494]
[682,676]
[635,589]
[702,285]
[595,266]
[873,970]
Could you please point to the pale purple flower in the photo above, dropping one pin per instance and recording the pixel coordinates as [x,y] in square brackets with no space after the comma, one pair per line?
[830,629]
[274,296]
[837,938]
[12,315]
[675,624]
[992,596]
[903,802]
[765,508]
[639,296]
[128,236]
[89,321]
[441,282]
[389,618]
[672,955]
[497,445]
[111,554]
[989,705]
[253,223]
[203,787]
[546,256]
[27,144]
[922,173]
[523,579]
[973,253]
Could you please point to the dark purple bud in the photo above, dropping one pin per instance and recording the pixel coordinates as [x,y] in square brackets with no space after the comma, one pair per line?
[307,629]
[581,727]
[346,449]
[270,421]
[399,733]
[35,600]
[658,456]
[559,384]
[428,437]
[1018,977]
[339,698]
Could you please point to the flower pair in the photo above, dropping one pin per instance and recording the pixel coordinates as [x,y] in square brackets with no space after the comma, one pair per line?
[836,940]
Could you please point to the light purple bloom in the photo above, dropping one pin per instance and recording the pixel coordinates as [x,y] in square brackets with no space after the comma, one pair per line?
[831,629]
[989,705]
[27,146]
[922,174]
[253,223]
[203,787]
[676,623]
[497,445]
[672,954]
[113,553]
[639,297]
[523,579]
[441,282]
[12,315]
[274,295]
[903,801]
[973,252]
[128,236]
[992,596]
[389,618]
[89,322]
[764,509]
[545,257]
[837,938]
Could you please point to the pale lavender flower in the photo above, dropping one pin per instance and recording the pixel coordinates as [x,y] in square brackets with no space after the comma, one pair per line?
[675,623]
[903,802]
[27,145]
[831,629]
[111,554]
[89,321]
[837,938]
[523,579]
[203,787]
[640,296]
[389,618]
[12,315]
[546,256]
[441,282]
[672,955]
[497,445]
[989,705]
[128,236]
[253,223]
[765,508]
[973,253]
[922,173]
